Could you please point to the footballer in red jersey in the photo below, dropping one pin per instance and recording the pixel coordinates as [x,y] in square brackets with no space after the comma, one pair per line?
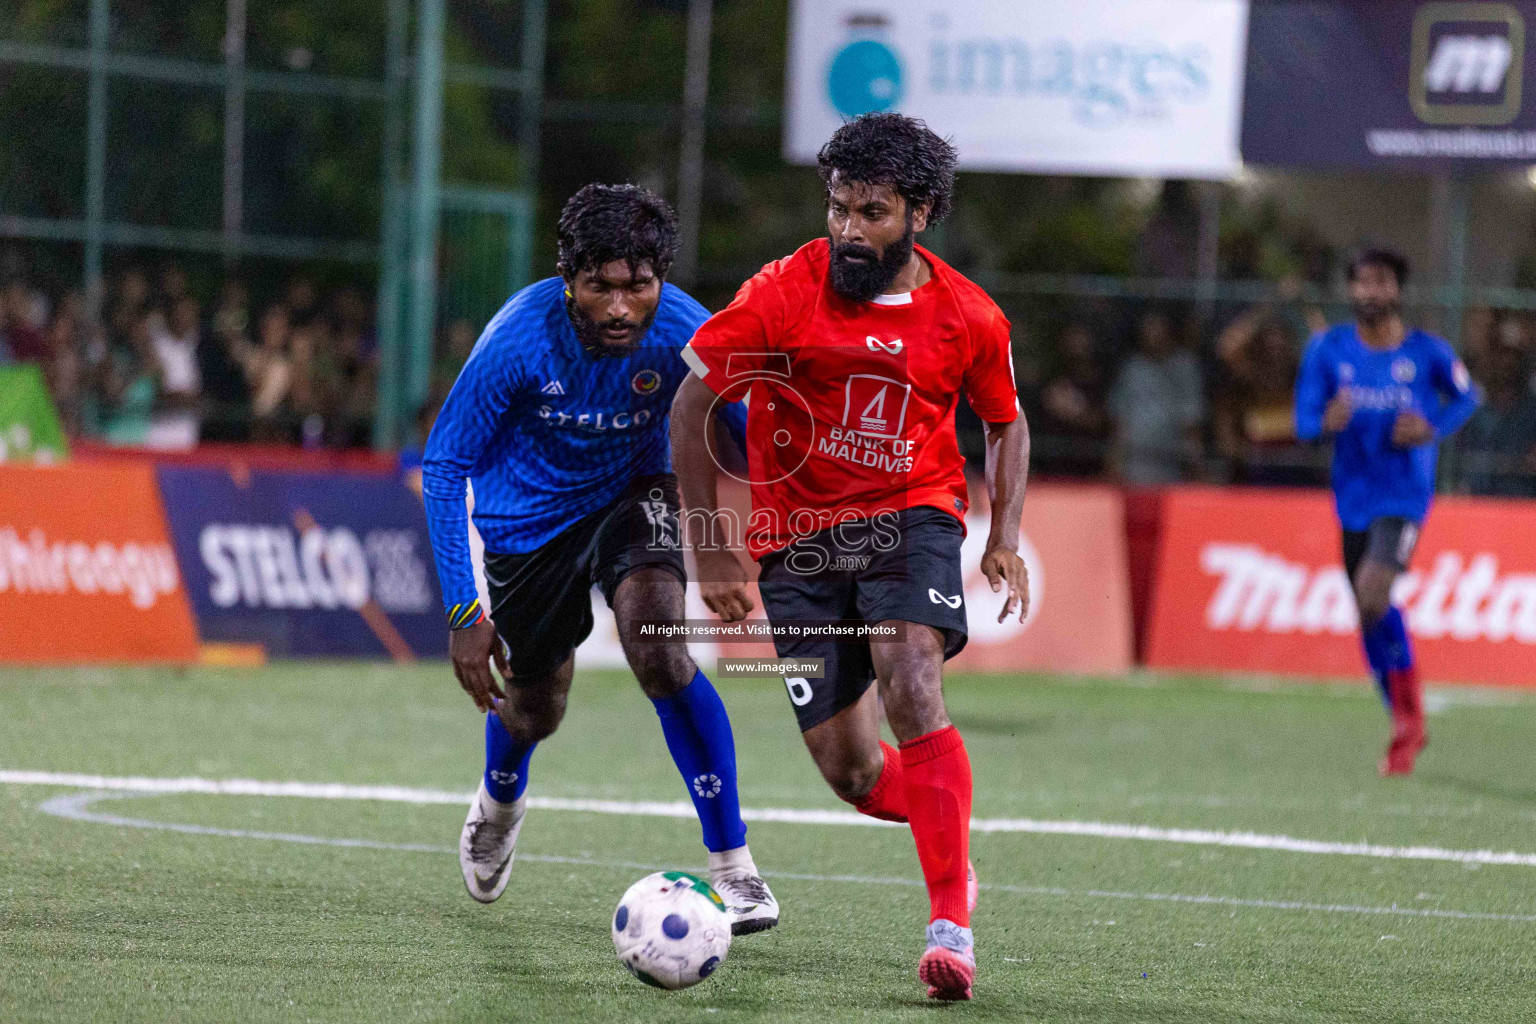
[853,353]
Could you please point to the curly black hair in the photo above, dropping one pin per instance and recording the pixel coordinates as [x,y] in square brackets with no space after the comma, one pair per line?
[1384,258]
[895,150]
[603,223]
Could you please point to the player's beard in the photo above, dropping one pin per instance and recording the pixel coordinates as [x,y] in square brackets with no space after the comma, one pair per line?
[589,332]
[861,281]
[1373,312]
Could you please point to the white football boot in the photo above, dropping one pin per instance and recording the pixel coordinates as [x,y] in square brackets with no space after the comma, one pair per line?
[487,843]
[747,897]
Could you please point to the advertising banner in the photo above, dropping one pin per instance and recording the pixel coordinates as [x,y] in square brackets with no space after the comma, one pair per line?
[1388,83]
[1251,581]
[29,425]
[1108,87]
[87,573]
[1073,543]
[306,564]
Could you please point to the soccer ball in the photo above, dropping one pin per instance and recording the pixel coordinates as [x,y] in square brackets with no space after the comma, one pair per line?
[671,930]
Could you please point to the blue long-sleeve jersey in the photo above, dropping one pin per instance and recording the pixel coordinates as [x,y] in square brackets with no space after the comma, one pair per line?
[547,432]
[1372,477]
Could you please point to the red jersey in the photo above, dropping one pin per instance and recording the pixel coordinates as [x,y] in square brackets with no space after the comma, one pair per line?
[851,410]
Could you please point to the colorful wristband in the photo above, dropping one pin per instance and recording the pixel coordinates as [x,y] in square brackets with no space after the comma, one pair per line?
[461,616]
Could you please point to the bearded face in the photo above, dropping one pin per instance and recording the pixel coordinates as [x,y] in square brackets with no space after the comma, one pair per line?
[871,229]
[860,272]
[613,306]
[1374,295]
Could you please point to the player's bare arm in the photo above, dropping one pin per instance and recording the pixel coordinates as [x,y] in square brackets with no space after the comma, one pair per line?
[471,650]
[1341,409]
[722,578]
[1411,429]
[1007,474]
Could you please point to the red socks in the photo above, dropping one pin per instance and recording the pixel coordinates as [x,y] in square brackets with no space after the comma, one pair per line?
[936,775]
[1407,698]
[888,800]
[928,785]
[1408,736]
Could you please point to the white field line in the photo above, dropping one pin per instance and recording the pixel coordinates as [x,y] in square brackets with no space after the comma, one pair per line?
[795,816]
[79,807]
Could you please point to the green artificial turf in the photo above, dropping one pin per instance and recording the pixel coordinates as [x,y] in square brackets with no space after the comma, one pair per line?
[104,922]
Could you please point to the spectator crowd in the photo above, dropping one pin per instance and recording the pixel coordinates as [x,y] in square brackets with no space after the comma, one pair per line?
[1147,404]
[1150,404]
[162,369]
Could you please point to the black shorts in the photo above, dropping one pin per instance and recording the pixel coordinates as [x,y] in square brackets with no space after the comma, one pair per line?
[903,566]
[1388,540]
[541,600]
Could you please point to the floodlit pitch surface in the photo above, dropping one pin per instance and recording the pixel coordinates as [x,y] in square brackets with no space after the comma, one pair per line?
[1276,878]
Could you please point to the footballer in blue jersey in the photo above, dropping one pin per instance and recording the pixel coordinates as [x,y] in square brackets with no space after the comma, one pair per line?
[1386,395]
[559,421]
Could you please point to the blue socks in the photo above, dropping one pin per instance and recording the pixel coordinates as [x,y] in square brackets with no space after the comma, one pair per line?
[1395,631]
[698,734]
[1388,650]
[506,761]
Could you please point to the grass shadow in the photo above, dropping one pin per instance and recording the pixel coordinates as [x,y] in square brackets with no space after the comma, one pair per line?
[994,725]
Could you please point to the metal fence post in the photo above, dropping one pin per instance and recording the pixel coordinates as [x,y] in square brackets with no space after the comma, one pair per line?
[388,404]
[96,156]
[1457,188]
[690,169]
[234,126]
[530,111]
[426,201]
[1208,250]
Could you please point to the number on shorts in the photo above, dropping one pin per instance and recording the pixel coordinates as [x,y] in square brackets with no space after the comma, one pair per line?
[799,690]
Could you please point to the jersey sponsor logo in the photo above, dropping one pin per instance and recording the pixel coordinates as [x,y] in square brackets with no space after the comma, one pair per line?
[1398,396]
[875,405]
[1259,591]
[1346,372]
[554,387]
[938,598]
[857,447]
[646,382]
[1404,370]
[892,347]
[595,422]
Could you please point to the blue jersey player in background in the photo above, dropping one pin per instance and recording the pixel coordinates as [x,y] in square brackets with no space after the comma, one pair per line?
[559,420]
[1386,395]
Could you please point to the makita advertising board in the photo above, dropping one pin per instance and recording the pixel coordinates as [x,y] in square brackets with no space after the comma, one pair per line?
[1388,83]
[1251,580]
[306,564]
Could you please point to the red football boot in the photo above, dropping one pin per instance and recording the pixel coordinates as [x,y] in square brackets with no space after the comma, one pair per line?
[1408,733]
[948,967]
